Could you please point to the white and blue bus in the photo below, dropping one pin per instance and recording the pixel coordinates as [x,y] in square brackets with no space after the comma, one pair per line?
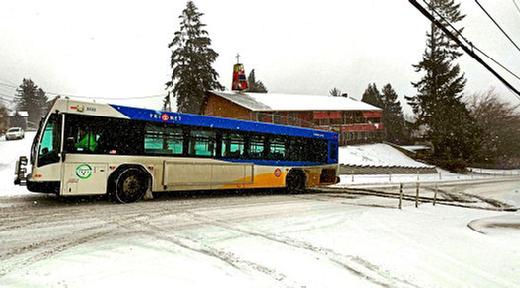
[86,148]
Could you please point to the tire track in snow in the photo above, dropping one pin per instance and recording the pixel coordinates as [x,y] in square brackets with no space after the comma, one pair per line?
[15,259]
[354,264]
[227,257]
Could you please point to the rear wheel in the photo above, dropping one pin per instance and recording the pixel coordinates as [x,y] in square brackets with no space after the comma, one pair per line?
[130,186]
[295,181]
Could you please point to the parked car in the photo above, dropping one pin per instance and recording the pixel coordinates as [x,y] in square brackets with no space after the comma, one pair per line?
[14,133]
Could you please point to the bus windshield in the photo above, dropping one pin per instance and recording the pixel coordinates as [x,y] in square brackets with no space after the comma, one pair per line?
[49,147]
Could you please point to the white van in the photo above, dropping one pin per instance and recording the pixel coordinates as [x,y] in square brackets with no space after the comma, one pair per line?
[14,133]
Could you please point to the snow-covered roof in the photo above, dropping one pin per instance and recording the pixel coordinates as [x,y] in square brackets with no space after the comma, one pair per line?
[19,113]
[294,102]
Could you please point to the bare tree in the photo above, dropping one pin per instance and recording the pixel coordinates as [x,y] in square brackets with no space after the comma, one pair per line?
[499,127]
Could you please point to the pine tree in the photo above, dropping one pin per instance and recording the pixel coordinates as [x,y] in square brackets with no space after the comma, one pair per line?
[372,96]
[393,118]
[335,92]
[32,99]
[438,102]
[255,86]
[3,118]
[191,63]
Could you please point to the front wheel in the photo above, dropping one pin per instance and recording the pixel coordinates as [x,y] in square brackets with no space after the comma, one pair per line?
[130,186]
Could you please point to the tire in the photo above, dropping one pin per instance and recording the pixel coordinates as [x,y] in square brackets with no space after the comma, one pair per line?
[130,186]
[295,181]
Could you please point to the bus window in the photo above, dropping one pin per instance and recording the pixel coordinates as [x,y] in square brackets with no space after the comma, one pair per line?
[257,147]
[202,143]
[276,149]
[296,149]
[233,145]
[86,140]
[50,142]
[162,140]
[316,150]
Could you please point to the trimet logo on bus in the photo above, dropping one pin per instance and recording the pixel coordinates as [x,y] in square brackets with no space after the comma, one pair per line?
[277,172]
[84,171]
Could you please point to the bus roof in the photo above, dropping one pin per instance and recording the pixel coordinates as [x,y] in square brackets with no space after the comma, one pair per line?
[111,110]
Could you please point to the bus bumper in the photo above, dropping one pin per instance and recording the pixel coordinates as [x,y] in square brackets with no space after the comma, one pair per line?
[21,171]
[43,186]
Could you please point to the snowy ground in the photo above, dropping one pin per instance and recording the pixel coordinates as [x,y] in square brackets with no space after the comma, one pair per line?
[443,176]
[333,238]
[376,155]
[10,151]
[252,239]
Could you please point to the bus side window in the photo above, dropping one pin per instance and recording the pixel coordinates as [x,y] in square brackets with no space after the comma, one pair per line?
[87,140]
[277,149]
[295,149]
[163,140]
[257,147]
[233,145]
[202,143]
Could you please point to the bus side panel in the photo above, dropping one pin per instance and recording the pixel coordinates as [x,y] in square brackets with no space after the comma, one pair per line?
[262,177]
[84,178]
[199,174]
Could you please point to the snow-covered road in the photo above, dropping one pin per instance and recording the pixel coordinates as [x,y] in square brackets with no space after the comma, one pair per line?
[255,240]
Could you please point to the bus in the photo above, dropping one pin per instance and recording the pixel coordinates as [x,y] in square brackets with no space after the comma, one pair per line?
[84,148]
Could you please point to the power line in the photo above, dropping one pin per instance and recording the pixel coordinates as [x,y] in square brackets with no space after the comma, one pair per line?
[91,97]
[516,5]
[461,45]
[8,85]
[10,96]
[105,98]
[473,47]
[504,32]
[7,81]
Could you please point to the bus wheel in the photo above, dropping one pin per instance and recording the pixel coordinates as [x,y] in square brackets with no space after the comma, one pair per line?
[130,186]
[295,181]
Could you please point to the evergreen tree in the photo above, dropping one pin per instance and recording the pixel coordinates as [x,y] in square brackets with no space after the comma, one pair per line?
[191,63]
[372,96]
[255,86]
[438,102]
[3,118]
[32,99]
[393,118]
[335,92]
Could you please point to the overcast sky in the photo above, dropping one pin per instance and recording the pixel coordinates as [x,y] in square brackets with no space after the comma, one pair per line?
[119,48]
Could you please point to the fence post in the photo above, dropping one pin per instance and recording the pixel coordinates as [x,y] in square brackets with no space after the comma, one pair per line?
[417,195]
[435,194]
[401,196]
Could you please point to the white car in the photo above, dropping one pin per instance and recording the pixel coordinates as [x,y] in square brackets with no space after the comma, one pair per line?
[14,133]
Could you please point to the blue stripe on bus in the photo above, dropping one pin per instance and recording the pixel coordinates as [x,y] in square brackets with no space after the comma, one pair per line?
[273,162]
[223,123]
